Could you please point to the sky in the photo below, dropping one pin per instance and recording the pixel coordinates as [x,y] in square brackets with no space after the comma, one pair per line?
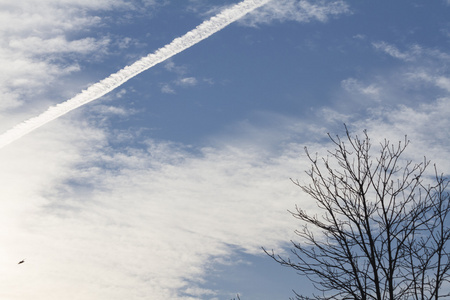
[168,186]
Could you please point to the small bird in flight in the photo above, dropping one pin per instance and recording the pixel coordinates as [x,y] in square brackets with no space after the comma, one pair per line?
[21,262]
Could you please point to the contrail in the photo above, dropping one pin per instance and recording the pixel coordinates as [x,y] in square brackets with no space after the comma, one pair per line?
[95,91]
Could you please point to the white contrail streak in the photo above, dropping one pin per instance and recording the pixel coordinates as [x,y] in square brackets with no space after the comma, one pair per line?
[95,91]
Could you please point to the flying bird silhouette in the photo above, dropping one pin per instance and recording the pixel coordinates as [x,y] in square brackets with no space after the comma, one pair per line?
[21,262]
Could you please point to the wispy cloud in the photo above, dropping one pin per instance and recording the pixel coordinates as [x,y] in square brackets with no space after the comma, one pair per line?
[413,99]
[282,10]
[57,45]
[423,123]
[170,66]
[298,11]
[167,89]
[353,85]
[429,78]
[412,53]
[182,81]
[187,81]
[394,51]
[443,82]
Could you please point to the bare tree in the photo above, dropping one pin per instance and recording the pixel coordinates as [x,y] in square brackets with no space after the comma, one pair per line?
[384,230]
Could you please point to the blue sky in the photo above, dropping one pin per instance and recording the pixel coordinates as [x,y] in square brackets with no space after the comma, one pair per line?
[168,186]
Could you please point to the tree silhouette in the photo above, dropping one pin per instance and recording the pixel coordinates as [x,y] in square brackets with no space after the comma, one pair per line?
[384,230]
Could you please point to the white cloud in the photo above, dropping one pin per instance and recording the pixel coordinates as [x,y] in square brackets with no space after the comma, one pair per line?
[426,77]
[187,81]
[9,99]
[121,93]
[413,53]
[167,89]
[106,110]
[282,11]
[359,36]
[413,99]
[352,85]
[172,67]
[443,82]
[393,51]
[296,10]
[183,81]
[22,72]
[425,125]
[36,47]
